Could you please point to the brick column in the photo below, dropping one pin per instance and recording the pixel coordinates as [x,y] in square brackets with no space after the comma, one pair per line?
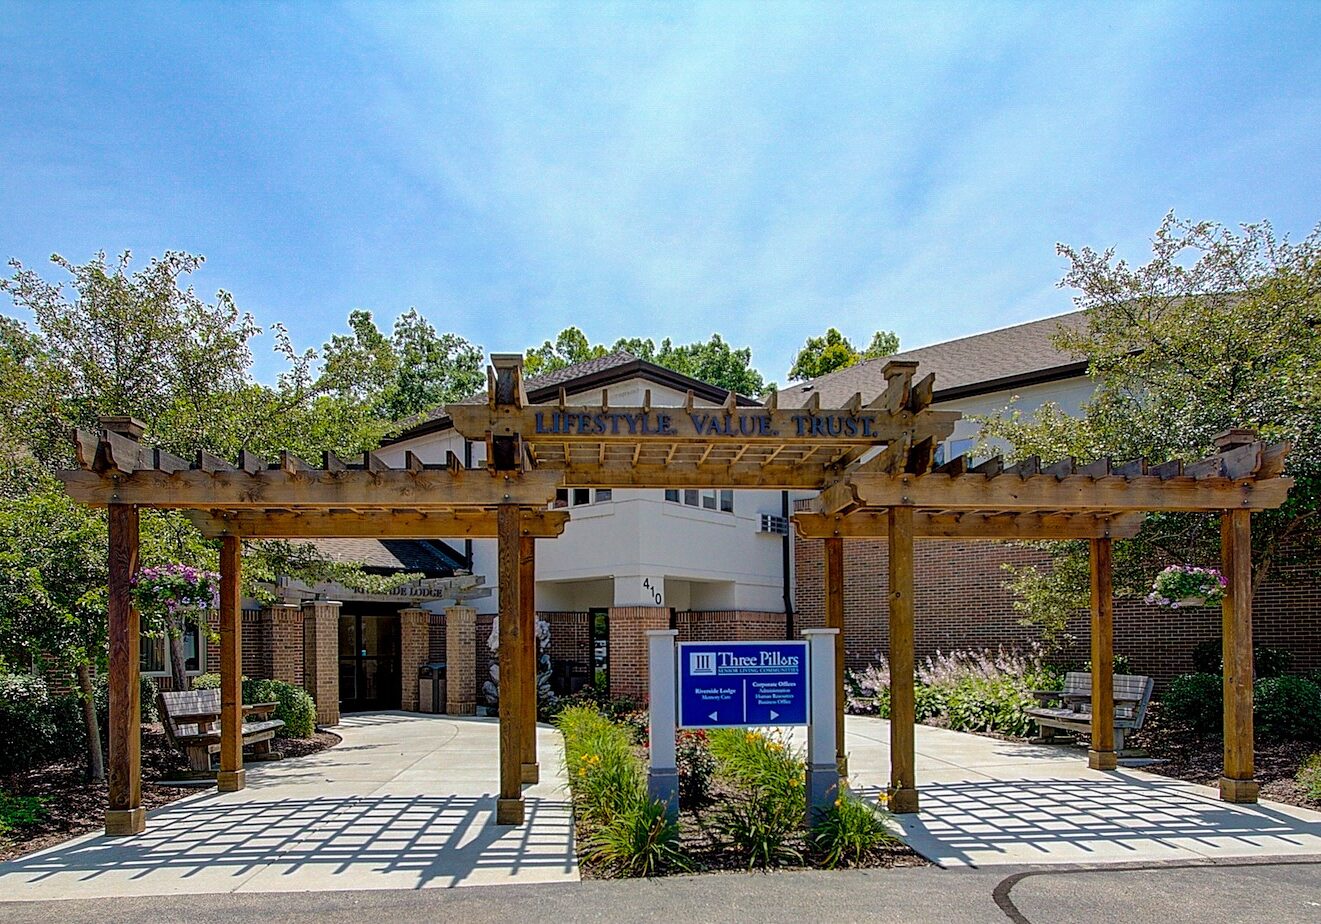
[628,647]
[321,658]
[461,660]
[283,627]
[414,642]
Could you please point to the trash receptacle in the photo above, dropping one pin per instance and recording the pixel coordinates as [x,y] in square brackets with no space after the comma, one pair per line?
[431,687]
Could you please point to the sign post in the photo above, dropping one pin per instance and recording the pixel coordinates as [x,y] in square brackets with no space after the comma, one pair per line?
[823,779]
[663,773]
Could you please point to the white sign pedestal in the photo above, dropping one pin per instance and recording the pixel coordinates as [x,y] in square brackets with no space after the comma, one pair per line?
[823,779]
[663,773]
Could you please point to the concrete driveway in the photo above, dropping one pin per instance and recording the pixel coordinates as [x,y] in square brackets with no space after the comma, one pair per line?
[991,802]
[405,801]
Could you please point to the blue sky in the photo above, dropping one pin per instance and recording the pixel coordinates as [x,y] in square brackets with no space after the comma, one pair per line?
[762,170]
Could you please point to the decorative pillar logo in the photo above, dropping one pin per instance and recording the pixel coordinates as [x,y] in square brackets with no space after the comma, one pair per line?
[701,662]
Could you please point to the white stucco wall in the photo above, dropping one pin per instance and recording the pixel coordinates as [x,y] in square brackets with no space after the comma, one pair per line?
[692,557]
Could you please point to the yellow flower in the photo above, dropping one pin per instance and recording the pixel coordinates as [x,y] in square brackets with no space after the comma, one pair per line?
[838,803]
[582,771]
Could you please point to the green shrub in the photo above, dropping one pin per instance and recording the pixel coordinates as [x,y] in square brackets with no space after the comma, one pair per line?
[147,691]
[990,704]
[1195,701]
[1309,777]
[764,826]
[928,702]
[762,830]
[630,834]
[639,840]
[696,765]
[294,705]
[1208,658]
[19,811]
[28,732]
[1286,708]
[850,833]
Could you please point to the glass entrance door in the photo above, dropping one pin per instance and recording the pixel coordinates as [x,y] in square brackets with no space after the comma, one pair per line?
[368,662]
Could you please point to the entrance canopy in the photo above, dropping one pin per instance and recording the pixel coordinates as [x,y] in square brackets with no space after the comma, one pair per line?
[872,462]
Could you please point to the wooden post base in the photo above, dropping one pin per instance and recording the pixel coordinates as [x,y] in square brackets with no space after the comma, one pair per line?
[509,811]
[531,773]
[121,822]
[903,802]
[231,780]
[843,762]
[1239,790]
[1102,760]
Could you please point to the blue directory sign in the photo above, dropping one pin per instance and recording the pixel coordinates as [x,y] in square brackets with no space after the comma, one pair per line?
[724,684]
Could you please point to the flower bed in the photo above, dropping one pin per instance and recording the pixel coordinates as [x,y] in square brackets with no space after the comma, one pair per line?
[973,691]
[742,805]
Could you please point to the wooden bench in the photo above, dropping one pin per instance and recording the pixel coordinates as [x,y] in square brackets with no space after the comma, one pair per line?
[1073,711]
[192,722]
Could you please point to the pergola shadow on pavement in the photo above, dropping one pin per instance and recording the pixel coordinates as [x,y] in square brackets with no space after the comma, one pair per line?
[401,803]
[992,802]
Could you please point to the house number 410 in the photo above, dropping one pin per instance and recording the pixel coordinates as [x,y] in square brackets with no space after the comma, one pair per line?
[652,589]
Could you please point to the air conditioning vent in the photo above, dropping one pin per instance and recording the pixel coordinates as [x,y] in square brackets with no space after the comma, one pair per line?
[776,526]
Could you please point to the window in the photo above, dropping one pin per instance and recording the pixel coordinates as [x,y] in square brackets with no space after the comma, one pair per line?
[603,495]
[156,653]
[561,499]
[952,449]
[582,496]
[710,499]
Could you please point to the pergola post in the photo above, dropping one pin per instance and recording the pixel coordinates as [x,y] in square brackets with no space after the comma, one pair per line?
[231,776]
[1237,784]
[903,786]
[527,614]
[834,567]
[1101,755]
[124,812]
[509,805]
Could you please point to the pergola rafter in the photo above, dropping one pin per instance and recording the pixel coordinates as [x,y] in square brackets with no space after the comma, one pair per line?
[874,464]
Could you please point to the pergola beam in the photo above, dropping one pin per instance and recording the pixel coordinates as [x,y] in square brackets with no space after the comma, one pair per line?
[874,524]
[269,488]
[460,523]
[1010,492]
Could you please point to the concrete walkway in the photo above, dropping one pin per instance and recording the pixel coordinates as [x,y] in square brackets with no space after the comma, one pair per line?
[987,802]
[406,801]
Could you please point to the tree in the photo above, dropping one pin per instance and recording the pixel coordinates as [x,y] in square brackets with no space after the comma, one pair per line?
[713,361]
[53,591]
[1220,329]
[392,378]
[109,339]
[832,351]
[571,347]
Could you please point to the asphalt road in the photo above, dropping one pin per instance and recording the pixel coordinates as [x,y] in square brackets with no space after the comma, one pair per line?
[1280,892]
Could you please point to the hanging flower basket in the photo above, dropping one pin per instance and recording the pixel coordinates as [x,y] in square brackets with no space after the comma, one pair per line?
[1184,586]
[169,592]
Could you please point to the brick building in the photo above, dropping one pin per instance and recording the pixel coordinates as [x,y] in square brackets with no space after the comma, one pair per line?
[961,599]
[712,564]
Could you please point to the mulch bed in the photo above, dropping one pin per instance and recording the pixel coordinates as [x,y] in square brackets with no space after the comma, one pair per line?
[703,846]
[1200,759]
[75,806]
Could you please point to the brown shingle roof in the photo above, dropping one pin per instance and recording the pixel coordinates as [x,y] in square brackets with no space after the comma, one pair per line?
[969,365]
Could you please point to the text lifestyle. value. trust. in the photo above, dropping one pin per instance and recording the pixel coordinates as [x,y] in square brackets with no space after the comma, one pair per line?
[566,423]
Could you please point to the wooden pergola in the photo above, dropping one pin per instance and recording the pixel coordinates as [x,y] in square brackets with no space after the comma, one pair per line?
[872,462]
